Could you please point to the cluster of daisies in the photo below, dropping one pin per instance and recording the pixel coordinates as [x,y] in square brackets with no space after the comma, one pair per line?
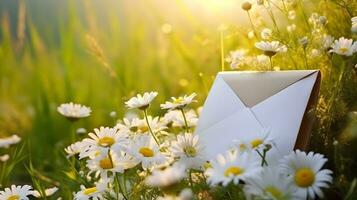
[162,158]
[313,44]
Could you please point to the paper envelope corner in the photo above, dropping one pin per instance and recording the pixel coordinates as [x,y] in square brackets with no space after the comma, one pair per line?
[293,91]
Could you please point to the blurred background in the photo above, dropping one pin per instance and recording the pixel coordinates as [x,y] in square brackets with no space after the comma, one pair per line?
[100,53]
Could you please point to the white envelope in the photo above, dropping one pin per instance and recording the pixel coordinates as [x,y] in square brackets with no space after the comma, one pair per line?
[241,104]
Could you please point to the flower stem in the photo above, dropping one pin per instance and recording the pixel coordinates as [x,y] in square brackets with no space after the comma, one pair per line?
[116,179]
[191,181]
[185,119]
[222,50]
[305,59]
[251,23]
[271,14]
[271,63]
[73,132]
[119,187]
[263,156]
[150,130]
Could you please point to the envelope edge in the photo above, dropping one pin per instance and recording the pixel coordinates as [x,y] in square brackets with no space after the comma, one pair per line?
[309,117]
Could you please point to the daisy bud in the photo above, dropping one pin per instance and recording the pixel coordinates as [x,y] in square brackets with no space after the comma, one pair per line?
[322,20]
[291,28]
[81,131]
[292,14]
[251,34]
[267,147]
[354,24]
[315,52]
[246,6]
[113,114]
[304,42]
[260,2]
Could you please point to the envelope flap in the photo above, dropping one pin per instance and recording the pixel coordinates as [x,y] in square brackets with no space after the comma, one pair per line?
[254,87]
[220,103]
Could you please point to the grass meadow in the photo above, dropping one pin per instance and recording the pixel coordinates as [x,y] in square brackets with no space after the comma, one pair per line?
[101,53]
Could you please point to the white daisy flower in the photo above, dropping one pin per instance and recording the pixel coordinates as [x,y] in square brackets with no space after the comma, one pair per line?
[305,172]
[344,47]
[354,24]
[232,167]
[155,125]
[189,151]
[93,193]
[167,177]
[258,61]
[140,126]
[191,118]
[6,142]
[327,41]
[16,192]
[179,103]
[258,143]
[73,111]
[102,140]
[130,126]
[237,58]
[48,192]
[269,184]
[110,162]
[74,149]
[169,117]
[271,48]
[145,151]
[141,101]
[266,34]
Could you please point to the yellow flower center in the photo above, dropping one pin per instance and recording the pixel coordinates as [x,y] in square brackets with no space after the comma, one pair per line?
[207,165]
[106,163]
[14,197]
[106,141]
[178,100]
[146,152]
[343,49]
[275,192]
[255,143]
[304,177]
[143,129]
[235,171]
[190,151]
[90,191]
[242,147]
